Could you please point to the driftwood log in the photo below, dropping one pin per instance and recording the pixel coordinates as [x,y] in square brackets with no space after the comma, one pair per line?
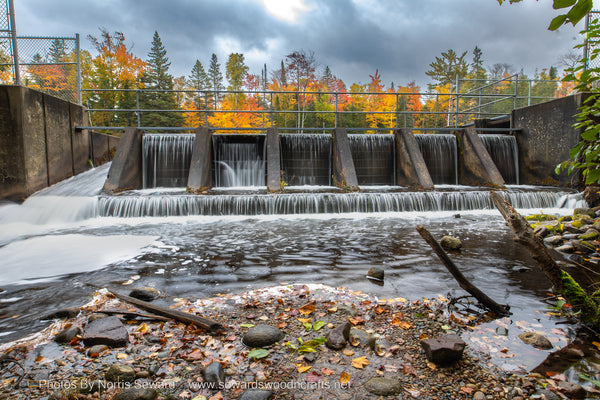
[186,318]
[485,300]
[133,314]
[561,280]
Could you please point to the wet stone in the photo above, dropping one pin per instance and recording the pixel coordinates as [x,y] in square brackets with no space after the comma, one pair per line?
[120,373]
[214,374]
[256,394]
[262,335]
[109,331]
[376,273]
[96,350]
[581,211]
[565,248]
[573,390]
[545,394]
[136,394]
[554,240]
[144,293]
[501,331]
[363,338]
[65,313]
[338,336]
[450,243]
[541,231]
[96,316]
[66,335]
[383,386]
[536,340]
[479,396]
[445,349]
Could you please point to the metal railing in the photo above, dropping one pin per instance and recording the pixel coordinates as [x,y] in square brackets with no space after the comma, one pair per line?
[356,111]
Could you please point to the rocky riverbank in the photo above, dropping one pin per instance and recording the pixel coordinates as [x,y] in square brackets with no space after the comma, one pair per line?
[286,342]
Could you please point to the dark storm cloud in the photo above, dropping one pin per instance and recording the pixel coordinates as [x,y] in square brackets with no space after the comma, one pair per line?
[354,38]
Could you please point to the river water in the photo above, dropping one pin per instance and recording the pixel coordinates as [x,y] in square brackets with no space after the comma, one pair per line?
[56,242]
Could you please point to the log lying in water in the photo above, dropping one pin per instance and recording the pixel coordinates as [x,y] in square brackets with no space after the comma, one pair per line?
[487,302]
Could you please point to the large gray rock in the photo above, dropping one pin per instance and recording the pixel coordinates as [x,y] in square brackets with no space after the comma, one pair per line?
[109,331]
[338,336]
[144,293]
[383,386]
[536,340]
[444,350]
[262,335]
[136,394]
[214,374]
[120,373]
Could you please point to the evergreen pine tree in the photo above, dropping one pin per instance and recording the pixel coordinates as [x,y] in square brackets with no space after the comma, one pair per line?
[216,80]
[157,77]
[198,80]
[477,69]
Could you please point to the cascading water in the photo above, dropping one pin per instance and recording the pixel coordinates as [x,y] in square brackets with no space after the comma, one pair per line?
[504,151]
[166,159]
[239,160]
[306,159]
[374,158]
[440,153]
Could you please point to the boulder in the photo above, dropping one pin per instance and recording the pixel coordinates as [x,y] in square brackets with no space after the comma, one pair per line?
[214,374]
[338,336]
[445,349]
[120,373]
[591,195]
[109,331]
[581,211]
[450,243]
[144,293]
[565,248]
[376,273]
[536,340]
[541,231]
[554,240]
[136,394]
[262,335]
[257,394]
[67,334]
[382,386]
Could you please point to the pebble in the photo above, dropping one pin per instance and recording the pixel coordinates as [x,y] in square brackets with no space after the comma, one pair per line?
[450,243]
[120,373]
[66,335]
[256,394]
[376,273]
[136,394]
[338,336]
[536,340]
[383,386]
[109,331]
[144,293]
[214,374]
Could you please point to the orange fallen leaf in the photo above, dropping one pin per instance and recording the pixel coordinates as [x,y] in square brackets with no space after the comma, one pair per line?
[197,354]
[347,352]
[307,309]
[304,320]
[143,328]
[302,367]
[408,369]
[344,378]
[360,362]
[327,371]
[380,310]
[332,309]
[423,336]
[401,324]
[356,320]
[596,344]
[121,356]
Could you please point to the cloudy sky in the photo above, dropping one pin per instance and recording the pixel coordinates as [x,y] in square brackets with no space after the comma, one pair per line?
[352,37]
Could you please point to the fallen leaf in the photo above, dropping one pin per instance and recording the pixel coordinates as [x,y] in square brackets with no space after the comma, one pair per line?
[282,325]
[313,377]
[143,328]
[302,367]
[356,320]
[401,324]
[327,371]
[431,366]
[332,309]
[318,325]
[305,320]
[307,309]
[347,352]
[466,390]
[380,310]
[344,378]
[197,354]
[408,369]
[423,336]
[360,362]
[121,356]
[258,353]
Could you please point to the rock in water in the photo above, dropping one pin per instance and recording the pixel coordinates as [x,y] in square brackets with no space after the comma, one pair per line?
[383,386]
[573,390]
[262,335]
[144,293]
[67,334]
[214,375]
[109,331]
[65,313]
[536,340]
[338,336]
[120,373]
[376,273]
[444,350]
[136,394]
[256,394]
[450,243]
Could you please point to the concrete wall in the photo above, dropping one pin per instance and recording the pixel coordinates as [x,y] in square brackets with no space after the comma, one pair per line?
[546,136]
[39,144]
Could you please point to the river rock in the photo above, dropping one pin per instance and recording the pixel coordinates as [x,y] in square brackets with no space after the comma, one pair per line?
[136,394]
[591,195]
[96,350]
[541,231]
[479,396]
[256,394]
[144,293]
[214,374]
[501,331]
[65,313]
[589,234]
[96,316]
[67,334]
[376,273]
[383,386]
[581,211]
[262,335]
[450,243]
[109,331]
[536,340]
[445,349]
[546,394]
[338,336]
[573,390]
[565,248]
[569,227]
[120,373]
[554,240]
[364,339]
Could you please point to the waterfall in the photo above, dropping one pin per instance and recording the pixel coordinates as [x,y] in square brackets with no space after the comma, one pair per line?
[441,157]
[306,159]
[166,159]
[374,157]
[311,203]
[505,153]
[239,160]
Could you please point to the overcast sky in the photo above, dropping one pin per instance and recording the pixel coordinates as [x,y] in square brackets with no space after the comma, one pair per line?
[352,37]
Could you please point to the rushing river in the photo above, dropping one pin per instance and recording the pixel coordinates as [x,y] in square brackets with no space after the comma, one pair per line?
[55,243]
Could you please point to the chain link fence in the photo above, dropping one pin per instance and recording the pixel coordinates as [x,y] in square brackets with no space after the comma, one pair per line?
[591,44]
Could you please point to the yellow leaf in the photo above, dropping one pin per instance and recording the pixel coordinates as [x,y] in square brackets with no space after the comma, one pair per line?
[307,309]
[596,344]
[348,352]
[121,356]
[305,320]
[360,362]
[344,378]
[143,328]
[301,367]
[332,309]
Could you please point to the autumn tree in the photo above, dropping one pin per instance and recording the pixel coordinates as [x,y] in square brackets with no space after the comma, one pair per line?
[216,81]
[158,81]
[300,68]
[235,72]
[448,68]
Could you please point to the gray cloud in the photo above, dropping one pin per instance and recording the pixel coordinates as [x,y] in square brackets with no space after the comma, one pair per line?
[354,38]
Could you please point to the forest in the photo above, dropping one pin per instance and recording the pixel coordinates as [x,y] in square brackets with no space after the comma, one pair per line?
[297,94]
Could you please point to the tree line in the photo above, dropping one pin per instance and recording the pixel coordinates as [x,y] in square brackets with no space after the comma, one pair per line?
[298,94]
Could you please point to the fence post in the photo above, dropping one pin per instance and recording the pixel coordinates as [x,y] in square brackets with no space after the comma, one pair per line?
[137,108]
[456,106]
[336,110]
[78,55]
[15,50]
[516,91]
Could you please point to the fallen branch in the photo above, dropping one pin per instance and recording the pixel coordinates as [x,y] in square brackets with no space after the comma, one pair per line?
[463,282]
[133,314]
[561,280]
[186,318]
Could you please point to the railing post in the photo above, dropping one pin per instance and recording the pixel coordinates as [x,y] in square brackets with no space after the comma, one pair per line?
[137,108]
[78,55]
[529,94]
[456,105]
[516,91]
[335,124]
